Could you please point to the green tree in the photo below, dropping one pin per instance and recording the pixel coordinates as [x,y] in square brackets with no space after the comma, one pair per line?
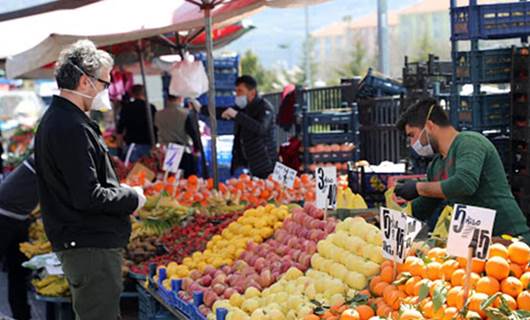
[425,47]
[356,66]
[251,65]
[308,49]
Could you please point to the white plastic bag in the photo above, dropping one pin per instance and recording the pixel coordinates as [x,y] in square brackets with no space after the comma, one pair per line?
[188,79]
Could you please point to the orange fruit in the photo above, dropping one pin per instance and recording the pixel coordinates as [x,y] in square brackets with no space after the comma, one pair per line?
[477,265]
[428,311]
[512,286]
[475,301]
[474,278]
[383,310]
[395,299]
[519,252]
[516,270]
[375,280]
[452,296]
[387,294]
[462,262]
[379,288]
[460,302]
[433,270]
[498,250]
[523,300]
[436,284]
[450,313]
[411,314]
[448,267]
[365,312]
[497,268]
[488,285]
[510,301]
[387,274]
[419,284]
[350,314]
[415,266]
[437,254]
[525,280]
[387,263]
[457,278]
[409,285]
[193,180]
[311,317]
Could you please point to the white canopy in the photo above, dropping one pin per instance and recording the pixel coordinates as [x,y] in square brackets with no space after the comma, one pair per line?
[35,41]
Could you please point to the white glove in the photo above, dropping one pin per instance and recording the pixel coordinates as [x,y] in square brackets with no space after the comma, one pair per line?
[140,193]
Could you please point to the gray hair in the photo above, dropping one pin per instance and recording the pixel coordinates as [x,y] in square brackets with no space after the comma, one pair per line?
[78,58]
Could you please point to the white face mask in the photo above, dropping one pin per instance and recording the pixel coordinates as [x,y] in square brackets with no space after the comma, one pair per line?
[421,150]
[101,101]
[241,101]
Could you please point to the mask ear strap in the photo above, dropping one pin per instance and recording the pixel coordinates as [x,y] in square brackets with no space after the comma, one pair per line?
[429,113]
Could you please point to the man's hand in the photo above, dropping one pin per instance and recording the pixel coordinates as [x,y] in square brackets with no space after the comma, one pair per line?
[139,192]
[407,190]
[229,114]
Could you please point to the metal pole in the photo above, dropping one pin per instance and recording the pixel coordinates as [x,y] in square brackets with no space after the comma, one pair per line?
[211,92]
[382,36]
[454,100]
[309,76]
[147,104]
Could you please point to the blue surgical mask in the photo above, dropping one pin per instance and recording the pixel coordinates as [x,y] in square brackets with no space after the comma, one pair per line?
[241,101]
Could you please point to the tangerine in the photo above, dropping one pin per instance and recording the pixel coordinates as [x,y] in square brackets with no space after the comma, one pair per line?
[519,252]
[497,268]
[512,286]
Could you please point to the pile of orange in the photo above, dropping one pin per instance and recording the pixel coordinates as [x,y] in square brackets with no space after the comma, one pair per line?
[506,274]
[253,191]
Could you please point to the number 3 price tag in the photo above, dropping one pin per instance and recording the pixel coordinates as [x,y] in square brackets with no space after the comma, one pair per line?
[470,224]
[284,175]
[173,157]
[398,233]
[326,187]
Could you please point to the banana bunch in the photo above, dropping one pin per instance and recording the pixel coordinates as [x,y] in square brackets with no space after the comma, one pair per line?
[31,249]
[219,203]
[346,199]
[51,286]
[36,231]
[139,230]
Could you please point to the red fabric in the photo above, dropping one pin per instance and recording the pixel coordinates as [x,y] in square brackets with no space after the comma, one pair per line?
[290,153]
[122,82]
[286,113]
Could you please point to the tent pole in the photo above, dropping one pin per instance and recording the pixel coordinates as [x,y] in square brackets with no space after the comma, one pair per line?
[147,104]
[211,91]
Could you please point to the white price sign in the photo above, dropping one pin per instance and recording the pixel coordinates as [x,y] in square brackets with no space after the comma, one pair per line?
[173,157]
[398,232]
[470,225]
[284,175]
[326,187]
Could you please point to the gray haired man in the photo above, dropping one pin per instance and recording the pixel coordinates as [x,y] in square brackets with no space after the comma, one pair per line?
[85,209]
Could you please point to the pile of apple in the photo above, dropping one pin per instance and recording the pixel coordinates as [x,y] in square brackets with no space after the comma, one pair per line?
[261,265]
[345,260]
[255,225]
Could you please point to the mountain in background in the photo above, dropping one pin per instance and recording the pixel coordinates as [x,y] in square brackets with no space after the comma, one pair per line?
[277,28]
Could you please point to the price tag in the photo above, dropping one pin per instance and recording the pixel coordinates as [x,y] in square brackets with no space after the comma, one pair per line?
[173,157]
[469,224]
[398,232]
[284,175]
[326,187]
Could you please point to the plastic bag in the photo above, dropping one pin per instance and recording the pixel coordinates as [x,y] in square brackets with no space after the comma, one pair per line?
[392,204]
[441,230]
[188,79]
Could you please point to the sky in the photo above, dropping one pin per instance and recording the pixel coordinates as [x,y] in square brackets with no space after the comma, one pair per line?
[276,27]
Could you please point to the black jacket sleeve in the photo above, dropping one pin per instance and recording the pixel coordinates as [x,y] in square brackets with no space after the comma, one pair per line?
[78,168]
[192,129]
[259,125]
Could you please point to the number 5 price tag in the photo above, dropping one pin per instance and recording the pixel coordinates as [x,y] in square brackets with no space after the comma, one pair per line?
[398,233]
[173,157]
[470,224]
[284,175]
[326,187]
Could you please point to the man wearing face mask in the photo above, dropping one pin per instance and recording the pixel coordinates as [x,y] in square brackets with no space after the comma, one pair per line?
[254,140]
[466,169]
[85,210]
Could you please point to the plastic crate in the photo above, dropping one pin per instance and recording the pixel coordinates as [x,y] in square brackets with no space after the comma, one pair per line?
[494,110]
[491,21]
[149,308]
[495,66]
[225,127]
[375,84]
[503,145]
[225,80]
[224,101]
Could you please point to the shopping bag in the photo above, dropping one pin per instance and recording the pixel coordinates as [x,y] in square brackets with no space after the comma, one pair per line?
[188,79]
[441,229]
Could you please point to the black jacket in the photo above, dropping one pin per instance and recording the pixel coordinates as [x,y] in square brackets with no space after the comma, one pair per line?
[18,192]
[255,138]
[81,199]
[133,121]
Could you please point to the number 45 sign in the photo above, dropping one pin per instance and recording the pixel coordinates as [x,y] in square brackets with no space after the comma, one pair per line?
[470,225]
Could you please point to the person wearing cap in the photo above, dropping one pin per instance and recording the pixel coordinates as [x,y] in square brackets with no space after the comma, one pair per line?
[18,198]
[466,169]
[175,125]
[85,210]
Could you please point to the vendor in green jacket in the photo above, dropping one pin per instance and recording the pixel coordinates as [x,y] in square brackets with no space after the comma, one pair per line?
[466,169]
